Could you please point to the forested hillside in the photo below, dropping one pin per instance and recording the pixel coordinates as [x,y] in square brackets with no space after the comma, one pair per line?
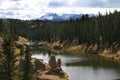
[101,30]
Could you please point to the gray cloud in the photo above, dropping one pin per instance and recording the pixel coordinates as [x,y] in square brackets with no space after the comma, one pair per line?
[56,4]
[33,9]
[105,4]
[86,3]
[14,0]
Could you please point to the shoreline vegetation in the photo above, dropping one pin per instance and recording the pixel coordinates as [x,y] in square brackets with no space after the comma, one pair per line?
[58,48]
[73,48]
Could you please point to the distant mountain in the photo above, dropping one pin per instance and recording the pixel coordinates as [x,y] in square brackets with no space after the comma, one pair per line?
[63,17]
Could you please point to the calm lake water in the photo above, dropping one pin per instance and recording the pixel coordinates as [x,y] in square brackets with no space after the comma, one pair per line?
[85,67]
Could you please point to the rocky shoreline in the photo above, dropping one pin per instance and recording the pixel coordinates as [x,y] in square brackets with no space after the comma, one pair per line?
[44,71]
[81,49]
[52,70]
[111,55]
[57,47]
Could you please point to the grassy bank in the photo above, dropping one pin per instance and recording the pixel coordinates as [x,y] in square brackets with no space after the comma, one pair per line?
[82,49]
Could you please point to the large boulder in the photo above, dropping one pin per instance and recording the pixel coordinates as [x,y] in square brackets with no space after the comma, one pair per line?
[53,63]
[40,65]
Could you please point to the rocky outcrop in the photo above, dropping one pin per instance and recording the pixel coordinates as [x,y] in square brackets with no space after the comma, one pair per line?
[52,62]
[44,71]
[40,65]
[59,63]
[54,73]
[55,65]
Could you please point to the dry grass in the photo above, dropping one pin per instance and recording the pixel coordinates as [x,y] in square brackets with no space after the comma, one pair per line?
[22,39]
[76,49]
[16,51]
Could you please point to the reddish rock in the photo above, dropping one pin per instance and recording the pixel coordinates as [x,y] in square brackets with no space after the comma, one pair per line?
[52,62]
[59,63]
[40,65]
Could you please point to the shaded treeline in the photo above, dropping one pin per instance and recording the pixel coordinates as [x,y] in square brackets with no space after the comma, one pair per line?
[102,30]
[9,60]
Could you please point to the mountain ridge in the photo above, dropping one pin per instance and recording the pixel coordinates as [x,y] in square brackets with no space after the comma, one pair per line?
[62,17]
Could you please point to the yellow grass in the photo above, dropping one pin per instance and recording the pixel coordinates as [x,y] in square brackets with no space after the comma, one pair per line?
[16,51]
[22,40]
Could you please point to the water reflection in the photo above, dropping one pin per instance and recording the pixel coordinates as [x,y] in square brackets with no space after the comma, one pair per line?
[85,67]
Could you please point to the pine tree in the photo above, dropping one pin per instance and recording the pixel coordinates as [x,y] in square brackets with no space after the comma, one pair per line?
[2,74]
[27,75]
[8,59]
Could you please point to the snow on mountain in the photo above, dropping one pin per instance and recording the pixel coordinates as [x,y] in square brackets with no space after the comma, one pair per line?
[63,17]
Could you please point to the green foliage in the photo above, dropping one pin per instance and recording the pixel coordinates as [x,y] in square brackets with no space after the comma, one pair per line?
[22,51]
[8,57]
[8,69]
[27,74]
[102,30]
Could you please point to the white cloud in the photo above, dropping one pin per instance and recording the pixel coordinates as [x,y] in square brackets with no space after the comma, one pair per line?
[82,10]
[31,9]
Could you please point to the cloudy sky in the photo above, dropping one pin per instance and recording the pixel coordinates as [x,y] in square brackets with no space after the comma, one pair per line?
[27,9]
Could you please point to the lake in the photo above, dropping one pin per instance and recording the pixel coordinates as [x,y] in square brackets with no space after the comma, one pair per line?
[84,67]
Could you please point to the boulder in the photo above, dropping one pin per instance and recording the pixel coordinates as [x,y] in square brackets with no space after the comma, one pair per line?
[40,65]
[52,62]
[59,63]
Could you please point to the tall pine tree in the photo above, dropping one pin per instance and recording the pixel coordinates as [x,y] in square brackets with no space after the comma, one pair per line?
[9,57]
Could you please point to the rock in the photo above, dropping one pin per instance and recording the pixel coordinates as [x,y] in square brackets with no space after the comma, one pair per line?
[52,62]
[47,67]
[59,63]
[39,65]
[53,71]
[58,70]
